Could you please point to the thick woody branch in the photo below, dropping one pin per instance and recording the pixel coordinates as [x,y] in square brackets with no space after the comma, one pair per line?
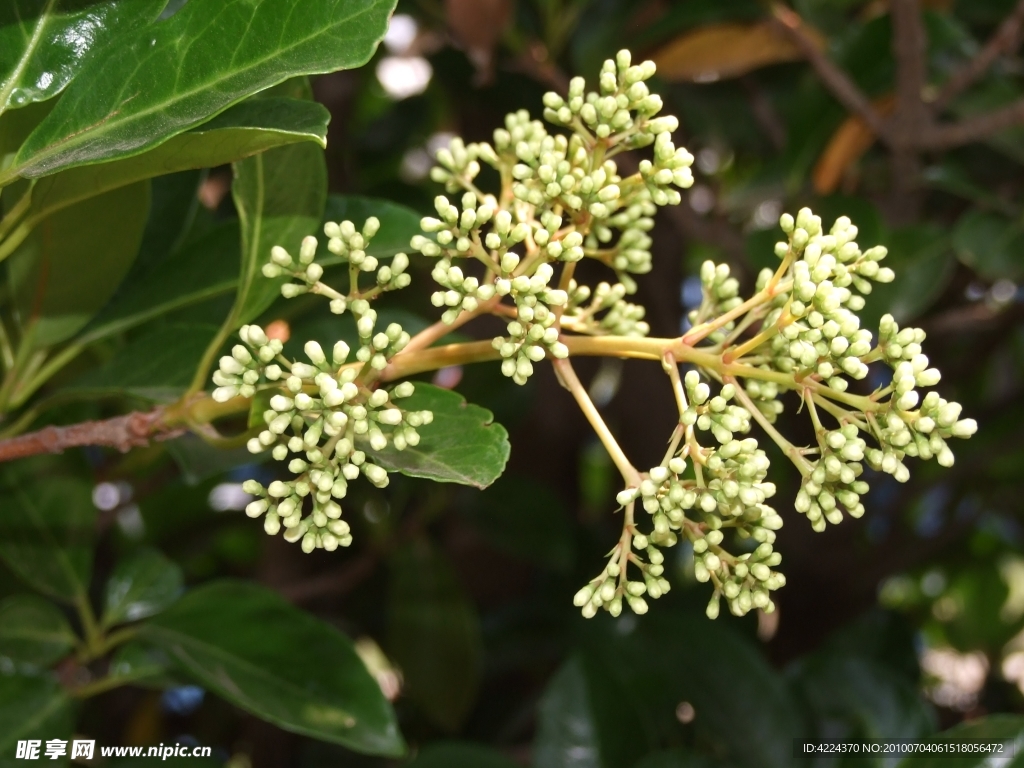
[1006,38]
[132,430]
[837,81]
[908,48]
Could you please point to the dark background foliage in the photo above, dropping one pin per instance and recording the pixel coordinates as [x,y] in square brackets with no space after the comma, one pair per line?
[902,623]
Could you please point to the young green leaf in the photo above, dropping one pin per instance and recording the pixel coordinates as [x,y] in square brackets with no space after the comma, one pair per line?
[280,196]
[43,43]
[248,645]
[32,707]
[33,630]
[141,586]
[73,262]
[123,103]
[157,365]
[244,130]
[398,224]
[434,635]
[46,532]
[462,445]
[195,272]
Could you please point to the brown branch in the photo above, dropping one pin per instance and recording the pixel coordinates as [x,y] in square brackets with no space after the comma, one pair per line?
[837,81]
[132,430]
[908,49]
[1005,39]
[950,135]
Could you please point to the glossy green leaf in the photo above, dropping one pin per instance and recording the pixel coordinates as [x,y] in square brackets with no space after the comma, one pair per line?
[1004,729]
[398,224]
[990,244]
[574,730]
[855,698]
[31,707]
[246,129]
[173,208]
[140,586]
[434,635]
[43,43]
[33,630]
[280,197]
[462,445]
[199,270]
[46,532]
[156,366]
[73,262]
[248,645]
[456,754]
[123,103]
[733,683]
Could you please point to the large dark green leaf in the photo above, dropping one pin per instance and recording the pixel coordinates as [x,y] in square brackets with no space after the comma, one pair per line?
[853,698]
[43,42]
[46,531]
[157,366]
[1004,729]
[73,262]
[398,224]
[141,586]
[31,707]
[434,635]
[673,657]
[462,444]
[246,129]
[248,645]
[280,196]
[582,723]
[990,244]
[123,102]
[197,271]
[460,755]
[33,630]
[923,261]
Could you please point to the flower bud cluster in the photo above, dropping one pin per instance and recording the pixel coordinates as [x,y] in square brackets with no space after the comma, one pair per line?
[922,433]
[458,163]
[714,414]
[620,318]
[324,419]
[533,334]
[818,328]
[346,242]
[832,483]
[720,294]
[612,588]
[241,372]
